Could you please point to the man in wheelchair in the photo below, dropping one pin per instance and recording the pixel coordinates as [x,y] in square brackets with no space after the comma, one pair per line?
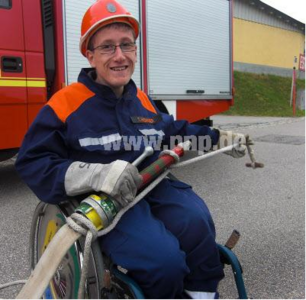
[85,139]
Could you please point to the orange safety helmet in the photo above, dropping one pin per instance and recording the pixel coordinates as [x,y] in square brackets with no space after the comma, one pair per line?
[100,14]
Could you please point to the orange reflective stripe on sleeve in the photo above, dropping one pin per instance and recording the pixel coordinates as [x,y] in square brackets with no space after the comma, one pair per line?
[145,101]
[69,99]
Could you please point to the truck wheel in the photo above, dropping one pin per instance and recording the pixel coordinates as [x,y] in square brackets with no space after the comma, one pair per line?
[7,154]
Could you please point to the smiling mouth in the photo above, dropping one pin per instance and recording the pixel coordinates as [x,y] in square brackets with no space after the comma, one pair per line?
[119,68]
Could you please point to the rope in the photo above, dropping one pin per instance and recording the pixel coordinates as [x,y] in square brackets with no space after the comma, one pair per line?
[202,157]
[90,234]
[2,286]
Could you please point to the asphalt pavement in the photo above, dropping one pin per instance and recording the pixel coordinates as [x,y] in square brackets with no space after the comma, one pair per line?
[267,206]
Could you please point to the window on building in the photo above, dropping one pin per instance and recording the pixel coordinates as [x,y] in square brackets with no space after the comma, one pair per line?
[7,4]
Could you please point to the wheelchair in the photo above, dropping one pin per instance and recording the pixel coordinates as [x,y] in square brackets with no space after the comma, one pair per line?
[104,280]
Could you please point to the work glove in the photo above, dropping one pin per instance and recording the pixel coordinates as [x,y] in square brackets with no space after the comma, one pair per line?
[227,138]
[118,179]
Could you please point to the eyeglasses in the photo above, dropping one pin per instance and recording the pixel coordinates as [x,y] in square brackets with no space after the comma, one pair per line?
[110,49]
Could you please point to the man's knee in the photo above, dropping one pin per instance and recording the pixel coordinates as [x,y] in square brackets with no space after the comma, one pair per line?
[166,278]
[173,265]
[201,219]
[196,223]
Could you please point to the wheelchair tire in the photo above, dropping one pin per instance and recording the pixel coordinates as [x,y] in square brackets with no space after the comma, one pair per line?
[46,222]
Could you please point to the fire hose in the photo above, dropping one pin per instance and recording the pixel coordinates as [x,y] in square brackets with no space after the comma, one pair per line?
[100,214]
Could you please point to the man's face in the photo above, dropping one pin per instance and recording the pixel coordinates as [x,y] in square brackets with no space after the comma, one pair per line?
[114,70]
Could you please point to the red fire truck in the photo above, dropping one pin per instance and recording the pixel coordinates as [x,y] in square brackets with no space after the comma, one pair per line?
[184,57]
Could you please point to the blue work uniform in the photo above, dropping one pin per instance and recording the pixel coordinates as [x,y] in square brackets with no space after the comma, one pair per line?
[166,241]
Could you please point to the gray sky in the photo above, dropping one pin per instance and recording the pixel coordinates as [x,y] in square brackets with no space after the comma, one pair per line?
[293,8]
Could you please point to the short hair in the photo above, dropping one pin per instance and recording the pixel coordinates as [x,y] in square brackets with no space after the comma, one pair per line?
[115,25]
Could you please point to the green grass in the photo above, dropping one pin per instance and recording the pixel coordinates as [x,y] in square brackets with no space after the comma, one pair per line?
[263,95]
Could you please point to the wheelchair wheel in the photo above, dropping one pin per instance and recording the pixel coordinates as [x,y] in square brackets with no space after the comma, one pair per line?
[104,280]
[46,222]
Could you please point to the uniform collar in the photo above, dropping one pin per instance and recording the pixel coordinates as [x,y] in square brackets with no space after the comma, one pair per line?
[86,77]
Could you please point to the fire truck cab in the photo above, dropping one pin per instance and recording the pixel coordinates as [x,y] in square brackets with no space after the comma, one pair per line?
[184,57]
